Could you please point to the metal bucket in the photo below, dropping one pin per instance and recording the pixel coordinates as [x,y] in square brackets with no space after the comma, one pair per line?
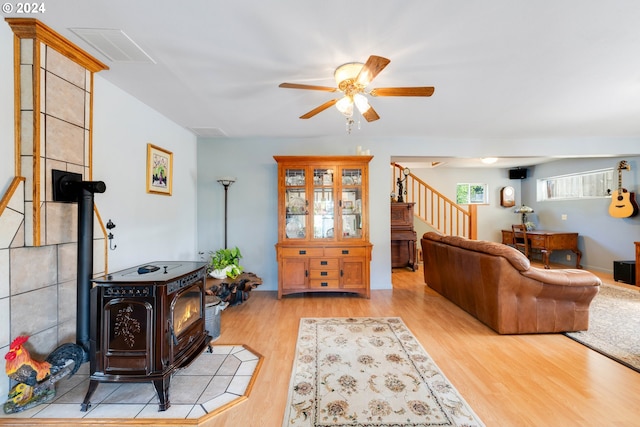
[212,317]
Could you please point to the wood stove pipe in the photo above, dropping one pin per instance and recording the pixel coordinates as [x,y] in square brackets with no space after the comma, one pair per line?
[69,187]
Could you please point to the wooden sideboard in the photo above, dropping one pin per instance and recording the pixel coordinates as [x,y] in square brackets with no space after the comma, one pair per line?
[549,241]
[403,236]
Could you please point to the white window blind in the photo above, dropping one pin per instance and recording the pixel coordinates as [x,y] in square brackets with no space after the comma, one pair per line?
[591,184]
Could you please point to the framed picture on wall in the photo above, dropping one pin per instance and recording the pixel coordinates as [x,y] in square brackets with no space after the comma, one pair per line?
[159,170]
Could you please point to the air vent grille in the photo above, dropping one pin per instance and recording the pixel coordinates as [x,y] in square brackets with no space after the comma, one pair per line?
[114,44]
[209,132]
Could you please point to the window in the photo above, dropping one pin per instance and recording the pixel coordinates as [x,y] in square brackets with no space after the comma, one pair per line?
[591,184]
[471,193]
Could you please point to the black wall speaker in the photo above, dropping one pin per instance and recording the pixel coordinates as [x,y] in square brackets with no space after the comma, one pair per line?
[519,173]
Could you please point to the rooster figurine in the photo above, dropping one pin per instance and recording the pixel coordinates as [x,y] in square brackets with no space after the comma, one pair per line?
[36,379]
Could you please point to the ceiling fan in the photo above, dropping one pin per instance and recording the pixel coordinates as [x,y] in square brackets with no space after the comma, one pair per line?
[351,79]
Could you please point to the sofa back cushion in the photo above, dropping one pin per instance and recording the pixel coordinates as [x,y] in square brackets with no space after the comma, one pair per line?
[514,256]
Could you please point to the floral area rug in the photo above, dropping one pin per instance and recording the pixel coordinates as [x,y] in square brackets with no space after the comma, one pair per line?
[368,372]
[614,325]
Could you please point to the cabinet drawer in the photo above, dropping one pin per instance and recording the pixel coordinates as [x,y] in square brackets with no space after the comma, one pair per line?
[291,252]
[323,264]
[536,241]
[323,274]
[324,284]
[346,251]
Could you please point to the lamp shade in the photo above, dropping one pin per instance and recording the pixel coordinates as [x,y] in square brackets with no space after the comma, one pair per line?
[361,102]
[347,71]
[345,106]
[524,209]
[226,180]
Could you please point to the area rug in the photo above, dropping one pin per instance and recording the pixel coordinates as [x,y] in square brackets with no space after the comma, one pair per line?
[614,325]
[368,372]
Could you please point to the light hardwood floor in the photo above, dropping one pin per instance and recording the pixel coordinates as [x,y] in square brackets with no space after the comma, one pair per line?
[513,380]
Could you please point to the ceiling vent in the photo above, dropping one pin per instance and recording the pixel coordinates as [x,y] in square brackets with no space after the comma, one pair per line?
[114,44]
[209,132]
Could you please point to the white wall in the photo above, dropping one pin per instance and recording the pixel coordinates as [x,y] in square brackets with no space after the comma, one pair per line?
[149,227]
[491,216]
[602,238]
[252,199]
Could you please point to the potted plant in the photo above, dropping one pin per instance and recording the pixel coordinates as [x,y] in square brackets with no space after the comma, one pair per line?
[226,263]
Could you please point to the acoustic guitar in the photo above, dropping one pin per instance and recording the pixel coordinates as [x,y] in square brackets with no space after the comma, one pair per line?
[623,203]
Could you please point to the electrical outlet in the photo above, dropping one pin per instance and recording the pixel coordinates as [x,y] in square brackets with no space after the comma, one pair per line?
[568,257]
[564,217]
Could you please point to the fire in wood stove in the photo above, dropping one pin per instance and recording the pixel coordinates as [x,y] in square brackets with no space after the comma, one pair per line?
[187,310]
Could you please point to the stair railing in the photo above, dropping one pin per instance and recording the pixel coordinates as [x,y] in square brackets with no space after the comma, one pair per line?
[435,209]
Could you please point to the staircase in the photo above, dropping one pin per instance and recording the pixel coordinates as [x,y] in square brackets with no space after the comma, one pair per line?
[436,210]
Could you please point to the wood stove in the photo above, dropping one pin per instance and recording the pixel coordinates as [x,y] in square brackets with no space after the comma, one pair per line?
[146,322]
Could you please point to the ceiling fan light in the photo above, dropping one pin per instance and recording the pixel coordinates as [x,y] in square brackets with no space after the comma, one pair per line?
[345,106]
[346,71]
[361,102]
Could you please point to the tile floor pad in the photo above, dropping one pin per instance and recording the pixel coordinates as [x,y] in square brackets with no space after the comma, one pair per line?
[213,380]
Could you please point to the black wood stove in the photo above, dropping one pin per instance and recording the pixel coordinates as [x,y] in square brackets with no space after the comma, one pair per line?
[146,322]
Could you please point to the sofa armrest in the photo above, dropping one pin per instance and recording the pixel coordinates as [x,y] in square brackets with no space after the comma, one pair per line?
[563,277]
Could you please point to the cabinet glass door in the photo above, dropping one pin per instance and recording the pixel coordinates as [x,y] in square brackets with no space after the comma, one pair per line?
[297,205]
[351,203]
[323,203]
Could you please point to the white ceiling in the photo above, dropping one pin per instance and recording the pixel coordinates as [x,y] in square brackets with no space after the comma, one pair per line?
[501,68]
[420,162]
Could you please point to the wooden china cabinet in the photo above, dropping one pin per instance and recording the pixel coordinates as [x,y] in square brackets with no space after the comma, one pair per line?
[323,224]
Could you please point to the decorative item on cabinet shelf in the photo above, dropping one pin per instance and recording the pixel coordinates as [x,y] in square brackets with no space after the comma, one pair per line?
[294,230]
[347,207]
[294,180]
[297,205]
[225,263]
[361,152]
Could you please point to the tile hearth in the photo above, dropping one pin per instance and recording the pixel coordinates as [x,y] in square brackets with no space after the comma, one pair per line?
[213,381]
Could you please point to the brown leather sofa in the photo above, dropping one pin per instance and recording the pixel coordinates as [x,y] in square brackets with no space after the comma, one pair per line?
[497,284]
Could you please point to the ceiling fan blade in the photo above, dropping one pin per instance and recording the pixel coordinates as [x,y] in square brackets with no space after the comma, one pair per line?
[370,115]
[371,69]
[308,87]
[319,109]
[403,91]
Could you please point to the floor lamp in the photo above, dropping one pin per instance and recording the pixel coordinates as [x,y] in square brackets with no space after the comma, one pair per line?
[226,181]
